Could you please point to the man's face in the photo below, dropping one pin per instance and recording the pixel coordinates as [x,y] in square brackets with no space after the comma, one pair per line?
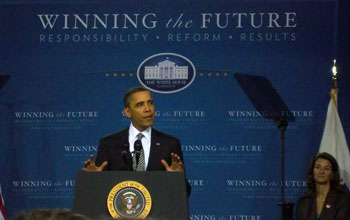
[140,110]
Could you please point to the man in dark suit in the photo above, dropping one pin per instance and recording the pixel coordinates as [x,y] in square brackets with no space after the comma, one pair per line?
[160,151]
[114,149]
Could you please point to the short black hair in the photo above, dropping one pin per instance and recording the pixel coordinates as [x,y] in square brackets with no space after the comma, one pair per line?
[132,91]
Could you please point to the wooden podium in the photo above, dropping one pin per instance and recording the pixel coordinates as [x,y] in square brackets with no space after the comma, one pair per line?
[167,192]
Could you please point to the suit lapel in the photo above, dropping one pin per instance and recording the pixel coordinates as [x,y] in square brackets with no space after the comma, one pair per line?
[122,142]
[311,209]
[328,207]
[123,145]
[155,151]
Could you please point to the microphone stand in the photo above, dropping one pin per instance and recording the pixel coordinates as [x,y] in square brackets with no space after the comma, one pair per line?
[137,155]
[287,207]
[127,157]
[137,149]
[265,98]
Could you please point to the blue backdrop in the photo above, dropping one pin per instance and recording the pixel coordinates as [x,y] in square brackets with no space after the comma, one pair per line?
[71,64]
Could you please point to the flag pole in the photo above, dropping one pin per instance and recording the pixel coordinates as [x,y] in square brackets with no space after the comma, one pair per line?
[335,89]
[333,139]
[335,74]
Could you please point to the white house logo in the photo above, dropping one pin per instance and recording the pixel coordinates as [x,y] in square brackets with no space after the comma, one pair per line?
[166,73]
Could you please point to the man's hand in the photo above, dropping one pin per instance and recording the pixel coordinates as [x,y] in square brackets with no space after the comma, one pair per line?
[90,165]
[176,164]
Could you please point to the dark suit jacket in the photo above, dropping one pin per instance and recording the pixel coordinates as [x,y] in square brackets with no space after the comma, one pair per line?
[114,148]
[336,207]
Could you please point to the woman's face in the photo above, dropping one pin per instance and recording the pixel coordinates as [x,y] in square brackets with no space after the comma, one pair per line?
[323,171]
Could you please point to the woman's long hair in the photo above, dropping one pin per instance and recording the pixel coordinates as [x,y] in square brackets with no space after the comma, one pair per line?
[335,180]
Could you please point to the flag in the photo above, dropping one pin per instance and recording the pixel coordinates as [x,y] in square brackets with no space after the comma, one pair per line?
[333,139]
[3,215]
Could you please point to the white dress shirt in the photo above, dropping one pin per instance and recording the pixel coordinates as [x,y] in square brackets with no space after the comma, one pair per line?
[146,141]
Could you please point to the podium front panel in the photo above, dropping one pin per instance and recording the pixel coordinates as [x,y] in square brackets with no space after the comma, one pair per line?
[167,190]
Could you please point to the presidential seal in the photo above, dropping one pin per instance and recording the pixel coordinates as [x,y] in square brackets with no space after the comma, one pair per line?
[129,199]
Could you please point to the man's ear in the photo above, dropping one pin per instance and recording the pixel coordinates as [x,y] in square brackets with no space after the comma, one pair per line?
[126,112]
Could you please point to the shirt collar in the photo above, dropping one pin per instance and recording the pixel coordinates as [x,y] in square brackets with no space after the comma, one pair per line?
[133,132]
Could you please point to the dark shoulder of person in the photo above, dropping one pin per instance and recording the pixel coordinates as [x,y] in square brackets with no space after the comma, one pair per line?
[114,136]
[164,135]
[304,198]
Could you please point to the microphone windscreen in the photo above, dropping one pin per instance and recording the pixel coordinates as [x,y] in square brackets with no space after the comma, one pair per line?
[138,145]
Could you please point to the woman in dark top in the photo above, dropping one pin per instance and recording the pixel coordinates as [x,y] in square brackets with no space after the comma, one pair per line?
[325,198]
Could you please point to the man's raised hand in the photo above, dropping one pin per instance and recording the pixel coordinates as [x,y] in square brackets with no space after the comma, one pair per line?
[176,163]
[90,165]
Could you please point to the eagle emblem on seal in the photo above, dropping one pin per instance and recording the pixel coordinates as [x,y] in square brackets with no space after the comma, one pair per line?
[129,201]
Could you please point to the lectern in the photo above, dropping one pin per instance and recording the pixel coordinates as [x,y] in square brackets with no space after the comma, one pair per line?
[128,194]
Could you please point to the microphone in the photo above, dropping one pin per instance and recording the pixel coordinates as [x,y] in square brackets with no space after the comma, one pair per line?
[126,156]
[137,148]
